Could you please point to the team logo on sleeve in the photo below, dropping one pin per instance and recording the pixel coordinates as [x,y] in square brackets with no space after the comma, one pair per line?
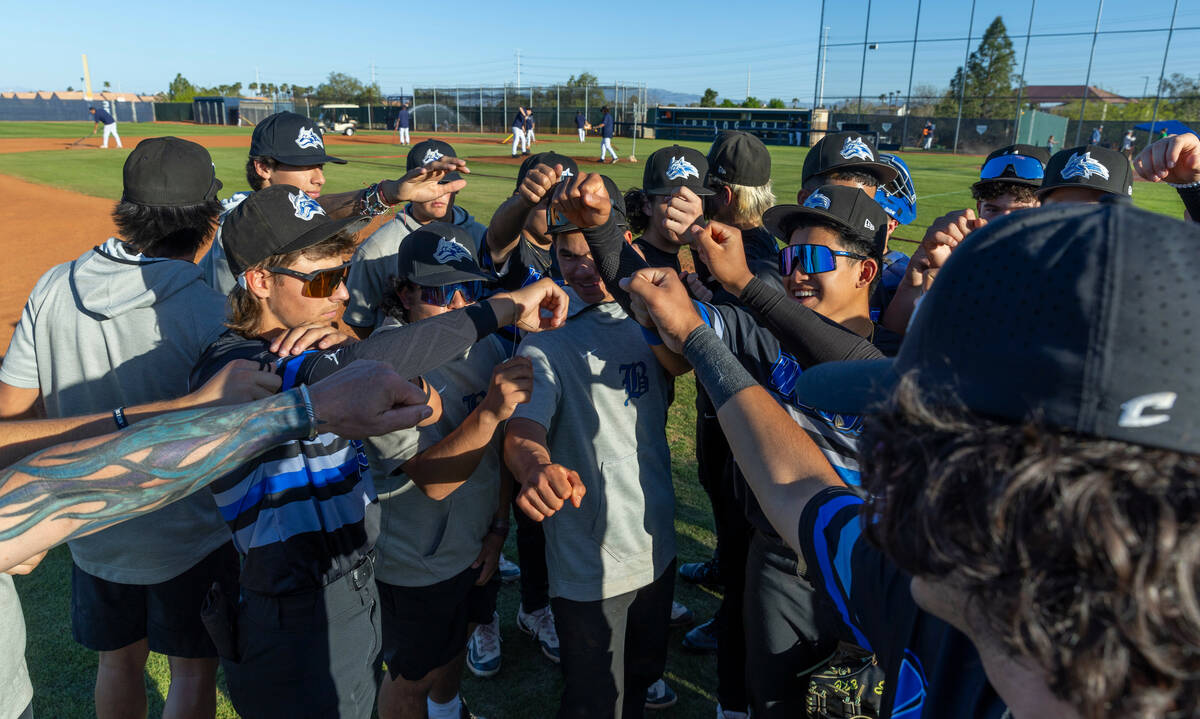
[854,148]
[306,207]
[818,200]
[309,138]
[637,383]
[681,169]
[1083,166]
[431,155]
[450,250]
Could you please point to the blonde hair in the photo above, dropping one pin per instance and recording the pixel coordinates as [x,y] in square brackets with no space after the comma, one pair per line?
[750,202]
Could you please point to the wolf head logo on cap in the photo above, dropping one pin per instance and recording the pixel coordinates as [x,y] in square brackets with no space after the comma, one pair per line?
[431,155]
[306,207]
[854,147]
[816,199]
[1083,166]
[681,169]
[309,138]
[449,250]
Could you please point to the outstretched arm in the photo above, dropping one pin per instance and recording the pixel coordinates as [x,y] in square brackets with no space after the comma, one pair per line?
[418,185]
[74,489]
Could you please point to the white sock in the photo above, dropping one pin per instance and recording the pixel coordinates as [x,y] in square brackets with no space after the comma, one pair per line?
[450,710]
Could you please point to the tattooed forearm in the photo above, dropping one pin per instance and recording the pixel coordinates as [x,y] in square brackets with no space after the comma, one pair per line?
[74,489]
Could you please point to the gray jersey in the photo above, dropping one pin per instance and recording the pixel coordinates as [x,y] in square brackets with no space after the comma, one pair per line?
[423,541]
[602,396]
[114,329]
[374,264]
[15,689]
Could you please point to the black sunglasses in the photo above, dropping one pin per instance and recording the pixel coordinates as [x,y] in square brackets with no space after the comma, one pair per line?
[322,283]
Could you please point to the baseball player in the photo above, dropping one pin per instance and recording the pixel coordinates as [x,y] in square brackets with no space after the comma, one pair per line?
[606,135]
[582,125]
[102,117]
[403,124]
[520,145]
[529,123]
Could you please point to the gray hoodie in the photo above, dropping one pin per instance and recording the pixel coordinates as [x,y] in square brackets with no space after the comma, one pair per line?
[374,264]
[114,329]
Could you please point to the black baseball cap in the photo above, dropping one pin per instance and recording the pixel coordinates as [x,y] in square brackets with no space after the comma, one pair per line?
[439,254]
[846,151]
[274,221]
[618,206]
[1069,345]
[675,166]
[1092,166]
[1011,172]
[291,139]
[428,151]
[739,158]
[846,207]
[569,166]
[169,172]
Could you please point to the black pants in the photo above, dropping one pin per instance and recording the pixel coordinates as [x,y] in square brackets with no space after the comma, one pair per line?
[531,555]
[717,471]
[613,650]
[783,642]
[308,655]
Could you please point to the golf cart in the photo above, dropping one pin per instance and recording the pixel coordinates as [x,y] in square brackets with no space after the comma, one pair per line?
[337,119]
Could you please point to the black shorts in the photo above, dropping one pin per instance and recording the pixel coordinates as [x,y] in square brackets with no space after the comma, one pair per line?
[106,616]
[426,627]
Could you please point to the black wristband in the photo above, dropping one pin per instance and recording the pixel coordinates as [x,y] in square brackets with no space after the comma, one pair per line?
[716,368]
[119,418]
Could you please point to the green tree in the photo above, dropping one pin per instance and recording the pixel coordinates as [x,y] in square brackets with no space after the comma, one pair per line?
[728,103]
[795,102]
[752,101]
[585,79]
[180,90]
[709,98]
[107,85]
[70,89]
[339,87]
[987,83]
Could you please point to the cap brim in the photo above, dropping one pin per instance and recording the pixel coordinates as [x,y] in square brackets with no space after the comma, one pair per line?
[852,387]
[1008,181]
[306,160]
[324,232]
[449,275]
[702,191]
[450,177]
[886,173]
[778,223]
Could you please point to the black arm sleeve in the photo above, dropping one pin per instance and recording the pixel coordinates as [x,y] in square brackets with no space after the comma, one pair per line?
[412,349]
[806,335]
[614,257]
[1191,201]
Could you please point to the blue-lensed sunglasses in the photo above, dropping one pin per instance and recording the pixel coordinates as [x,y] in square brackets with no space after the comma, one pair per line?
[811,259]
[1023,167]
[444,295]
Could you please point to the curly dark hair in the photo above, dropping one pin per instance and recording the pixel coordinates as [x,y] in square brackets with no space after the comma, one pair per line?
[1081,554]
[254,179]
[635,207]
[988,191]
[166,231]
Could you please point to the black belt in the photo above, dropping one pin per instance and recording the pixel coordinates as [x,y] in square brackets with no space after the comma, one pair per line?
[363,573]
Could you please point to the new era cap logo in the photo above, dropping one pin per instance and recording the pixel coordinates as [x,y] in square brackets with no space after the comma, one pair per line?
[1083,166]
[1136,412]
[816,199]
[681,169]
[431,155]
[306,207]
[868,224]
[854,148]
[450,250]
[309,138]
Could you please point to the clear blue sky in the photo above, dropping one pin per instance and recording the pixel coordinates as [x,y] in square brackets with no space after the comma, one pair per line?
[140,45]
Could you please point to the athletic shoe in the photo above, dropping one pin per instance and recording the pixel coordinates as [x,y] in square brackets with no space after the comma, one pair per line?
[509,571]
[681,616]
[614,161]
[483,649]
[660,695]
[702,639]
[730,714]
[705,573]
[540,626]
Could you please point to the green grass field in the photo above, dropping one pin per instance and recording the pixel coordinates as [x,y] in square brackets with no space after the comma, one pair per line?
[528,685]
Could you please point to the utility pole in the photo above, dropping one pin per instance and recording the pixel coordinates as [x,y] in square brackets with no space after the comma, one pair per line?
[824,57]
[862,70]
[747,81]
[518,70]
[1088,79]
[820,59]
[912,63]
[370,94]
[962,86]
[1158,90]
[1021,87]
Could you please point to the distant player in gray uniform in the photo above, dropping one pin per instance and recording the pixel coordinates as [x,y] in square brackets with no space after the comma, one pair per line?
[444,505]
[374,263]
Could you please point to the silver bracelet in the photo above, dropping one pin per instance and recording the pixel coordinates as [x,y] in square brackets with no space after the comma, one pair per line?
[373,203]
[1187,186]
[308,408]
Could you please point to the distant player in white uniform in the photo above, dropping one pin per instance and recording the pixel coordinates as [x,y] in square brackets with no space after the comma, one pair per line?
[582,125]
[529,123]
[606,135]
[403,123]
[520,144]
[102,117]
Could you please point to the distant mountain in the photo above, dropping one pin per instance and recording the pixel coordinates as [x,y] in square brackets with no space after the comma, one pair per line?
[659,96]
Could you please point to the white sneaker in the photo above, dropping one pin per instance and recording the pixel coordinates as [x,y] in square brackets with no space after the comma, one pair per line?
[508,570]
[483,648]
[730,714]
[681,616]
[540,626]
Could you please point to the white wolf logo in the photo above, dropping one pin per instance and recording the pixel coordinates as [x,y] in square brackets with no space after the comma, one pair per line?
[306,207]
[816,199]
[854,147]
[1083,166]
[431,155]
[450,250]
[565,174]
[309,138]
[681,169]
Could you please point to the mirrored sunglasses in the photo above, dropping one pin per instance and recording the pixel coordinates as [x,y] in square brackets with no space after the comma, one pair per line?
[1023,167]
[442,296]
[811,259]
